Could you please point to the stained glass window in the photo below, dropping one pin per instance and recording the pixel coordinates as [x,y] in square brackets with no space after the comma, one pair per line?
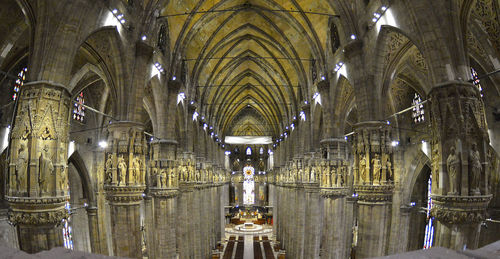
[418,114]
[67,231]
[21,76]
[429,228]
[475,80]
[249,151]
[79,109]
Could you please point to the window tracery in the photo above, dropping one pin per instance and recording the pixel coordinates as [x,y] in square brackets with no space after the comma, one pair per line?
[79,108]
[21,76]
[475,80]
[418,113]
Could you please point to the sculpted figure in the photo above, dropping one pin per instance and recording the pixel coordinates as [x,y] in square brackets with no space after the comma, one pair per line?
[376,168]
[475,169]
[156,177]
[46,169]
[171,177]
[362,169]
[163,178]
[122,170]
[435,167]
[453,164]
[386,167]
[21,167]
[312,178]
[306,174]
[108,170]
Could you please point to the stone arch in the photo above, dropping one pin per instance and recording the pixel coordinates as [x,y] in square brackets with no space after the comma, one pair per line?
[420,160]
[88,190]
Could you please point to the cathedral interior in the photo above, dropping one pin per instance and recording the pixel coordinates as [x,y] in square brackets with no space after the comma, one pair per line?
[293,129]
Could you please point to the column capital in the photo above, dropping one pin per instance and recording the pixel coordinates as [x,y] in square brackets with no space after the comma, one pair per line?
[460,209]
[124,195]
[374,193]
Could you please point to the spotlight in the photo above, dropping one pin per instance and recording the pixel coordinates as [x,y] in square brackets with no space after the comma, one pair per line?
[103,144]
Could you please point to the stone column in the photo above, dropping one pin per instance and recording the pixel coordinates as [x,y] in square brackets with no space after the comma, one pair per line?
[38,177]
[163,187]
[312,235]
[373,157]
[124,186]
[460,143]
[95,245]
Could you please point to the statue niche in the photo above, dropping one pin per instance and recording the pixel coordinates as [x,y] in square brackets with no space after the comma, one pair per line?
[475,170]
[453,166]
[46,171]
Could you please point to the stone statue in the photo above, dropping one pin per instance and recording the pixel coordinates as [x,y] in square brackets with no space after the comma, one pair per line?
[306,174]
[453,164]
[475,170]
[108,171]
[122,170]
[163,178]
[21,168]
[386,167]
[376,168]
[435,167]
[136,170]
[312,178]
[171,173]
[46,169]
[362,168]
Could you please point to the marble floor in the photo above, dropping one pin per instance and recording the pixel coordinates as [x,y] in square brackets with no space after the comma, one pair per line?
[233,234]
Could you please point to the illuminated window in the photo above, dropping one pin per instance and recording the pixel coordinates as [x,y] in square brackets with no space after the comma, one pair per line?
[21,76]
[249,185]
[475,80]
[79,109]
[418,114]
[429,228]
[261,151]
[249,151]
[66,230]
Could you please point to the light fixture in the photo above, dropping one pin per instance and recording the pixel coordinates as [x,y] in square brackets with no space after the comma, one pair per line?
[302,115]
[119,16]
[174,78]
[394,143]
[115,11]
[103,144]
[323,78]
[353,37]
[195,115]
[143,37]
[383,8]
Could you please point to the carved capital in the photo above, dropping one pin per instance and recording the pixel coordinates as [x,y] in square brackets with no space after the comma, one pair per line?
[334,193]
[374,193]
[460,209]
[124,195]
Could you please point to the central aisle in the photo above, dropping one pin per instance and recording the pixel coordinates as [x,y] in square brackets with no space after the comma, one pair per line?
[248,247]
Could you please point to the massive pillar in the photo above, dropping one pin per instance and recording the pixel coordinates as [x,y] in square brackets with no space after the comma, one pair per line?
[373,160]
[124,186]
[38,178]
[335,190]
[163,187]
[313,221]
[460,143]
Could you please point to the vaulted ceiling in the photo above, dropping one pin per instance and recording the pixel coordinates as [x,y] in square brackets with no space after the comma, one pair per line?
[249,62]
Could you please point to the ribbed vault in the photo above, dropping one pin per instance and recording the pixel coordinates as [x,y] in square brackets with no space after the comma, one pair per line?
[248,63]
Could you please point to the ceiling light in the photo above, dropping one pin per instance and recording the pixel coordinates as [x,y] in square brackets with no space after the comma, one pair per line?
[103,144]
